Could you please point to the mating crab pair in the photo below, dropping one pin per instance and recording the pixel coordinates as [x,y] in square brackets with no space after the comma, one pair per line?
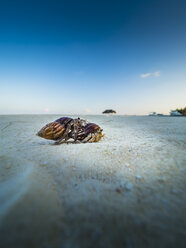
[65,128]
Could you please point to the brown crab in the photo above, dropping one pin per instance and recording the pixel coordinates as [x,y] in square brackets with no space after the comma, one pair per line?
[65,128]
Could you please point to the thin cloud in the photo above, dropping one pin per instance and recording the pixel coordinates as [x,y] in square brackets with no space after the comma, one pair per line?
[150,74]
[145,75]
[156,74]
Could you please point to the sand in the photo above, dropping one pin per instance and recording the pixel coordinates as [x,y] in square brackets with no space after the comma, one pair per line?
[128,190]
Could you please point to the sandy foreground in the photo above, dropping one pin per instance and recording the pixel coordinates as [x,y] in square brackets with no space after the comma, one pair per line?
[128,190]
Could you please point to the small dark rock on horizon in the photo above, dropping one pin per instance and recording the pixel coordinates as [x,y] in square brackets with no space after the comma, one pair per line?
[109,111]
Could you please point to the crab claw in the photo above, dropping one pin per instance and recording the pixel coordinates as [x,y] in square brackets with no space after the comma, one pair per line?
[91,133]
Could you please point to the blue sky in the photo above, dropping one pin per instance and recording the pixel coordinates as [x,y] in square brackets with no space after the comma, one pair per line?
[81,57]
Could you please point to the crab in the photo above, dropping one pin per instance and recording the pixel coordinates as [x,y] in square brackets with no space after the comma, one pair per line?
[62,129]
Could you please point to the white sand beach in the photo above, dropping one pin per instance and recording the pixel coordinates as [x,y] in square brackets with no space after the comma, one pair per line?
[128,190]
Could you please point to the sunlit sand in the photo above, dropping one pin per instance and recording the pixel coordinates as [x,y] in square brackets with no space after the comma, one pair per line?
[128,190]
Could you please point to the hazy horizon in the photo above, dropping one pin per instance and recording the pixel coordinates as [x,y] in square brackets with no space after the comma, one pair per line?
[82,57]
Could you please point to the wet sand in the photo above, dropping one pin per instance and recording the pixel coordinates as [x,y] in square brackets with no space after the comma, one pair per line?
[128,190]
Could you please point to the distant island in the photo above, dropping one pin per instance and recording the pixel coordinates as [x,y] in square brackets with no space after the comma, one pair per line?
[182,111]
[176,112]
[109,111]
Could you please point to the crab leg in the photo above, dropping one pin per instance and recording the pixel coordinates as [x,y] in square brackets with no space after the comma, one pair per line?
[87,138]
[98,136]
[93,138]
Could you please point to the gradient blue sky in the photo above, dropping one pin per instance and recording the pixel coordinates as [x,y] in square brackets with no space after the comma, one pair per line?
[81,57]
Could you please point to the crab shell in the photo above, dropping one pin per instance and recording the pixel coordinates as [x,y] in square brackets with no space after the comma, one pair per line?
[64,120]
[52,131]
[55,129]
